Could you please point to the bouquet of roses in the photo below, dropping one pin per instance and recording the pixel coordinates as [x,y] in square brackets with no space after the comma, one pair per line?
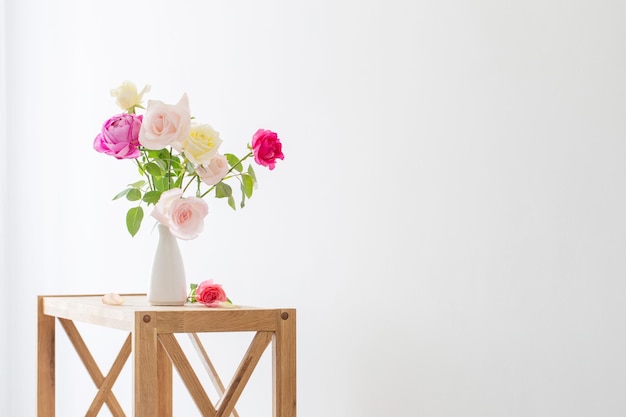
[175,155]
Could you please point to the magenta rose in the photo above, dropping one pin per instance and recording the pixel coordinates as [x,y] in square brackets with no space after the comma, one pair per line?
[267,148]
[120,136]
[210,294]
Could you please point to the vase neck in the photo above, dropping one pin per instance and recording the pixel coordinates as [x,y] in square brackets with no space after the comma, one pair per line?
[164,232]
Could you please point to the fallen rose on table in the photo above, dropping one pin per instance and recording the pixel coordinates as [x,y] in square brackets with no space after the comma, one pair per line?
[209,294]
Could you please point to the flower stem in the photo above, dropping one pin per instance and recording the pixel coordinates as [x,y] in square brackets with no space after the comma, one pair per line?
[169,165]
[146,174]
[190,181]
[240,161]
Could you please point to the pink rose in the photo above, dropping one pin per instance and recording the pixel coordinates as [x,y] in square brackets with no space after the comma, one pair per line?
[120,136]
[210,294]
[165,124]
[183,216]
[216,170]
[267,148]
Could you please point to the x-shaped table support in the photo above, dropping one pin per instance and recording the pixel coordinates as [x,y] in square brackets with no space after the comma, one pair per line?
[156,352]
[104,384]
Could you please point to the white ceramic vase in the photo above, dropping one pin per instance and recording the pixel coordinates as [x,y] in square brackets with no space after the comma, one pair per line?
[168,284]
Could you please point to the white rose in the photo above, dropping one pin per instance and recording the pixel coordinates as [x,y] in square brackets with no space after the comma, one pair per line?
[127,96]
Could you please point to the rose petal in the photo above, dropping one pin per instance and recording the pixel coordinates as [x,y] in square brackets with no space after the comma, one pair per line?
[112,299]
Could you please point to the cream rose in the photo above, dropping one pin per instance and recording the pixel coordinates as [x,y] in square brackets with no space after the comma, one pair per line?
[200,145]
[127,96]
[163,124]
[216,169]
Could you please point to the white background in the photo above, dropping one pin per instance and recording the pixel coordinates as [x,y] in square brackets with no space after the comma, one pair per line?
[449,219]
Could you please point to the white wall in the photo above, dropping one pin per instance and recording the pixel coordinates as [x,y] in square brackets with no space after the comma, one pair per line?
[448,220]
[4,299]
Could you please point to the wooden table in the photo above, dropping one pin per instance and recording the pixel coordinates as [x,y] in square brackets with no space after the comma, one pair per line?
[155,349]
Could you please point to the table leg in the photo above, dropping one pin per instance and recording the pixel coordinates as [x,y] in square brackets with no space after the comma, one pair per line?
[145,374]
[284,365]
[45,362]
[164,375]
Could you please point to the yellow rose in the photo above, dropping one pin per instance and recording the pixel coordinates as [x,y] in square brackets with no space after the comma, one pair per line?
[201,144]
[127,96]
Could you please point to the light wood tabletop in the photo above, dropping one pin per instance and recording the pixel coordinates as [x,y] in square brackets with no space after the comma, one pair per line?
[155,351]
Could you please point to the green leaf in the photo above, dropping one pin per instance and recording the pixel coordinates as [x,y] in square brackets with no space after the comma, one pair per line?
[223,190]
[159,183]
[161,164]
[191,298]
[122,194]
[151,197]
[138,184]
[231,202]
[133,220]
[234,162]
[179,181]
[154,169]
[133,194]
[247,185]
[251,173]
[175,164]
[154,154]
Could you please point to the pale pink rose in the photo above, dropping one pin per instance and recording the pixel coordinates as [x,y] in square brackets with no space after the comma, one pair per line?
[214,172]
[210,294]
[187,217]
[183,216]
[164,124]
[162,207]
[267,148]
